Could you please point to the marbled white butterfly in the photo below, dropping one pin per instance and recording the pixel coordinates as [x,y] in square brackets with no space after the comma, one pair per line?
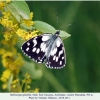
[46,48]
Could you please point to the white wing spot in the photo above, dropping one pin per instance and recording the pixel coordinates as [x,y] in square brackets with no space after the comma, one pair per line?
[43,48]
[42,44]
[35,37]
[62,57]
[38,50]
[34,49]
[34,42]
[54,51]
[29,56]
[60,62]
[45,38]
[27,49]
[60,52]
[28,43]
[56,59]
[58,43]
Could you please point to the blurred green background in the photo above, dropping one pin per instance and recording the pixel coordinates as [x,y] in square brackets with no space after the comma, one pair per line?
[82,70]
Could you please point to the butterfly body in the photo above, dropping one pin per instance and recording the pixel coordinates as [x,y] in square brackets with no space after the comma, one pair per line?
[46,48]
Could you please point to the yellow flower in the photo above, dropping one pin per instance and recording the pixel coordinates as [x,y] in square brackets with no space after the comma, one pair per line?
[7,35]
[27,79]
[6,15]
[28,87]
[5,75]
[7,1]
[9,43]
[27,76]
[15,81]
[6,23]
[17,64]
[8,55]
[34,33]
[3,42]
[20,32]
[2,51]
[7,59]
[2,5]
[4,86]
[36,90]
[13,41]
[31,15]
[11,62]
[30,35]
[18,86]
[9,22]
[13,86]
[26,35]
[28,22]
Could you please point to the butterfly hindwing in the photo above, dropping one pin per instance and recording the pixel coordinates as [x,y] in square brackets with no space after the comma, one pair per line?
[57,58]
[47,48]
[36,47]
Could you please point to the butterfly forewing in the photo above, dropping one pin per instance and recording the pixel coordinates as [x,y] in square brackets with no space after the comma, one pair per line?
[47,48]
[57,57]
[36,47]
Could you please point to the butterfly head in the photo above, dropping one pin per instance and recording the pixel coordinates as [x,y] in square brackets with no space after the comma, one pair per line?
[57,32]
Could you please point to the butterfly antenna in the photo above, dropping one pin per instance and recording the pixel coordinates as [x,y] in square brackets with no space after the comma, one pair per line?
[57,20]
[65,26]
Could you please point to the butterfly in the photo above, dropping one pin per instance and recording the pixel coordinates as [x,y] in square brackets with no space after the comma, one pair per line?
[47,48]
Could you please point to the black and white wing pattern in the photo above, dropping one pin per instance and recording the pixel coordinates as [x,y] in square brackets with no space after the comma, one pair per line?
[36,47]
[57,58]
[47,48]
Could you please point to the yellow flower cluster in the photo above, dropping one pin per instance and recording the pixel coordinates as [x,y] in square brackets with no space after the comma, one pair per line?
[23,86]
[12,61]
[28,22]
[13,27]
[27,79]
[26,35]
[3,3]
[6,74]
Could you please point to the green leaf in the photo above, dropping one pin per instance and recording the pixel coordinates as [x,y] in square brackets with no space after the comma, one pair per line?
[64,34]
[23,26]
[46,28]
[19,9]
